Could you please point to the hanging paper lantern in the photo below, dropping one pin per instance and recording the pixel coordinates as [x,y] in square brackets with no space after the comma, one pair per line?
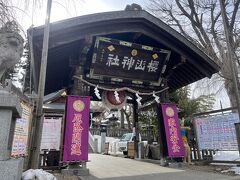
[110,101]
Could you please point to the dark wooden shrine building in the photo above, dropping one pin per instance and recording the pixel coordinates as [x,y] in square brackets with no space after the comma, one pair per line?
[129,48]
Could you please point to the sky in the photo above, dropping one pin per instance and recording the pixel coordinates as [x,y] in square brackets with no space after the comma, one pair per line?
[63,9]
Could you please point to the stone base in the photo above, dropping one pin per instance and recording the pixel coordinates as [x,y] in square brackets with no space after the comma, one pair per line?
[11,169]
[76,171]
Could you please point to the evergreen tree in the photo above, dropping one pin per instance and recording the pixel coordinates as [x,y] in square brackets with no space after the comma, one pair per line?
[189,106]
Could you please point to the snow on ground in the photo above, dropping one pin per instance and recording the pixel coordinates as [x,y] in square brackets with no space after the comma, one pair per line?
[234,169]
[228,156]
[37,174]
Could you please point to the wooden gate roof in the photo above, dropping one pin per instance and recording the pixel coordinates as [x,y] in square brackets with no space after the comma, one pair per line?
[69,38]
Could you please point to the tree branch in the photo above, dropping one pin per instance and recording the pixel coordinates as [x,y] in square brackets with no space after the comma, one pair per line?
[213,32]
[235,10]
[185,13]
[197,27]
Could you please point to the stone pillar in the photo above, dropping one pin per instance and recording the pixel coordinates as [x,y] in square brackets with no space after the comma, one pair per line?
[103,141]
[10,109]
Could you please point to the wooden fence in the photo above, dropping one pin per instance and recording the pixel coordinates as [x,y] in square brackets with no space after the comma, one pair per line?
[205,154]
[119,132]
[110,132]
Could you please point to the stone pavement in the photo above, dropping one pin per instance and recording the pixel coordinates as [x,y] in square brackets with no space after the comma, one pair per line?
[105,167]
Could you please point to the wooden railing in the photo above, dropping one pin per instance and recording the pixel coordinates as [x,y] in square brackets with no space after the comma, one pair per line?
[95,131]
[117,132]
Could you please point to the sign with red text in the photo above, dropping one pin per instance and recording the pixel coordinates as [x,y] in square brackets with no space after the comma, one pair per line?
[76,129]
[172,130]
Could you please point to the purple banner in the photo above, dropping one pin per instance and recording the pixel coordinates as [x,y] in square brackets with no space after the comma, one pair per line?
[173,130]
[76,129]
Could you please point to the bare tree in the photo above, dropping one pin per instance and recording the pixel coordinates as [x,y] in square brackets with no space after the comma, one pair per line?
[200,21]
[6,13]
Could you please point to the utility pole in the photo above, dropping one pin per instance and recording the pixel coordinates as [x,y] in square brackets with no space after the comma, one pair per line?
[38,121]
[230,54]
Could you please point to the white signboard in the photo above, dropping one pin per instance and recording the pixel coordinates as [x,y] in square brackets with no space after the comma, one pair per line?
[217,132]
[20,139]
[51,134]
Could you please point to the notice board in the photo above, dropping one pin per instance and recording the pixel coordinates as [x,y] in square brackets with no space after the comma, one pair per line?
[51,133]
[217,132]
[20,139]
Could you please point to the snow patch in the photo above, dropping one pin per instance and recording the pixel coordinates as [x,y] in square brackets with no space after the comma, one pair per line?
[226,156]
[234,169]
[37,174]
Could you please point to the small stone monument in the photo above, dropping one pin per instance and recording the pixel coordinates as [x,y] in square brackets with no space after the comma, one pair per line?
[11,47]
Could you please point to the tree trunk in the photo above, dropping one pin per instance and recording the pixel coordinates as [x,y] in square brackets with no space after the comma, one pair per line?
[228,81]
[231,92]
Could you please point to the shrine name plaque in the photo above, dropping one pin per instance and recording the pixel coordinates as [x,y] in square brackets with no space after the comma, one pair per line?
[121,60]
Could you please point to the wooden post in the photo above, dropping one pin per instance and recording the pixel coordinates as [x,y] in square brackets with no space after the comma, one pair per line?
[38,121]
[135,125]
[161,131]
[122,119]
[195,134]
[164,96]
[148,132]
[62,137]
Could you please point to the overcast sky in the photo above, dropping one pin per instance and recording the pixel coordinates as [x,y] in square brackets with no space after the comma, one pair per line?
[63,9]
